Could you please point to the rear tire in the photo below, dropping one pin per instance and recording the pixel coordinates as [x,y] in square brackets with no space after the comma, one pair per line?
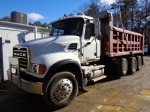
[61,90]
[123,68]
[139,62]
[132,65]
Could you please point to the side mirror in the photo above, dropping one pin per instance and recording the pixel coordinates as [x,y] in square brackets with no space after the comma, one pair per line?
[110,16]
[97,28]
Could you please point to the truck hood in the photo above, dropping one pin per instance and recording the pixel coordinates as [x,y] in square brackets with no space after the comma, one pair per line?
[47,45]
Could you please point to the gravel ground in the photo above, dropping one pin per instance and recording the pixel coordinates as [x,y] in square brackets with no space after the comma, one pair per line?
[125,94]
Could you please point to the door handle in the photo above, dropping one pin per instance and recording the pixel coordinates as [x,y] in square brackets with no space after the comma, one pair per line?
[88,43]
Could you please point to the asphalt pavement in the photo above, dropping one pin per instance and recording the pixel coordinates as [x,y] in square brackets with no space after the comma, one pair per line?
[130,93]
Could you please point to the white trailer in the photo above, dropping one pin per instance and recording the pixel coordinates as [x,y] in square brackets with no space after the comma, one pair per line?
[12,34]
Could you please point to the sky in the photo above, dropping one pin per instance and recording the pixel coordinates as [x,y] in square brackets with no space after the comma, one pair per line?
[41,10]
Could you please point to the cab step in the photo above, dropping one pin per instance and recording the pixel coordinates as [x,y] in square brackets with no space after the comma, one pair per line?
[98,78]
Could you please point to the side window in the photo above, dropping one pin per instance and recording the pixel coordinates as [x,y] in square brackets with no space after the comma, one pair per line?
[89,31]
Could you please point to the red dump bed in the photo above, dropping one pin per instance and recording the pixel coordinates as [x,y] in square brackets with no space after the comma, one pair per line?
[114,42]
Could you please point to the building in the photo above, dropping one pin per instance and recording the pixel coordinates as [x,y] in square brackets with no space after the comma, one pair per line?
[19,17]
[12,34]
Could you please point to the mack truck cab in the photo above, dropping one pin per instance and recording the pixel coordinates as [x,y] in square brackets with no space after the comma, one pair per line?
[57,66]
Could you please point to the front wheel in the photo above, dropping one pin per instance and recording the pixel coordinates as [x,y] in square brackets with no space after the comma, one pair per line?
[61,90]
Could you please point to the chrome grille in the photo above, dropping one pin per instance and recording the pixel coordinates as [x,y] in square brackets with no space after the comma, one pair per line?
[22,54]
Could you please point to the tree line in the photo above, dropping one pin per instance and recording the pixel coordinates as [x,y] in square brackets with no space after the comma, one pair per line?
[36,23]
[135,14]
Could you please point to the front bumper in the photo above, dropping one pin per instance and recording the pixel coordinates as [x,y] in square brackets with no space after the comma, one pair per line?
[32,87]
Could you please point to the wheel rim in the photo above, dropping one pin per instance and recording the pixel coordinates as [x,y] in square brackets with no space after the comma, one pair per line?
[63,89]
[134,64]
[124,67]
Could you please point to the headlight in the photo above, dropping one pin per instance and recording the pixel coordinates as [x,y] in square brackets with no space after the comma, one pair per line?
[37,68]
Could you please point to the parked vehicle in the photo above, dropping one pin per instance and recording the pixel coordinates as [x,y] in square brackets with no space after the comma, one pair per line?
[146,49]
[78,51]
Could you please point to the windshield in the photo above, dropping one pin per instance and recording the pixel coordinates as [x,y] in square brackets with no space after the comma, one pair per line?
[72,26]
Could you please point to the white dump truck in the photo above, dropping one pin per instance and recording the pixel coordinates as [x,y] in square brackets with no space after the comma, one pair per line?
[78,50]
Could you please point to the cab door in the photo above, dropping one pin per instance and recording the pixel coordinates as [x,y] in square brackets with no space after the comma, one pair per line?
[91,49]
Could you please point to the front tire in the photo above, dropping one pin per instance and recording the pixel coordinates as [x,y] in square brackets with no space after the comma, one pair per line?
[61,90]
